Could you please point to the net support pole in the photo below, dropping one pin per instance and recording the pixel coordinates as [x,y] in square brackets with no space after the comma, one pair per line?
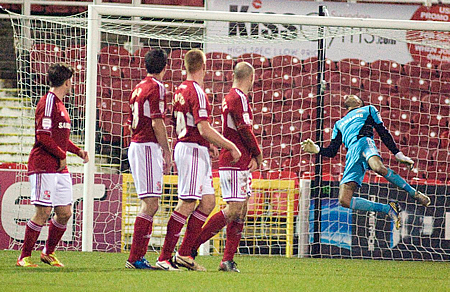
[89,146]
[317,184]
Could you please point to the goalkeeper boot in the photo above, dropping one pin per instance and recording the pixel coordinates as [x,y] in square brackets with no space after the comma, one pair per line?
[141,264]
[51,260]
[394,213]
[188,263]
[25,262]
[167,265]
[422,199]
[229,266]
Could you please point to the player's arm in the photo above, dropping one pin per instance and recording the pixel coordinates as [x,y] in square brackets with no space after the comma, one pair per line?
[387,138]
[214,137]
[309,146]
[159,128]
[72,148]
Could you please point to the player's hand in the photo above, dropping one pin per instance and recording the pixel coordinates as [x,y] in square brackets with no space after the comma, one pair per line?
[84,155]
[213,151]
[167,161]
[62,165]
[253,165]
[236,154]
[404,159]
[309,146]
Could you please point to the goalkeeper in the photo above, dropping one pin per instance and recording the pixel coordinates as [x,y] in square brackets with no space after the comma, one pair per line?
[355,130]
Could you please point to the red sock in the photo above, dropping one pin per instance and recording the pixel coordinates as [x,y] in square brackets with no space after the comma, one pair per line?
[55,232]
[193,230]
[174,226]
[214,225]
[141,236]
[234,231]
[32,232]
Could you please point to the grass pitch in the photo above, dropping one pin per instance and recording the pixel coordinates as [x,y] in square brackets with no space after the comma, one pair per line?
[105,272]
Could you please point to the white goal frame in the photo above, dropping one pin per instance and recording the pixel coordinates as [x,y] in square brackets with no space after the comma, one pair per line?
[95,12]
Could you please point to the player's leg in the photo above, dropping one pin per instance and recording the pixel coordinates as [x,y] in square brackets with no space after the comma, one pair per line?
[234,232]
[42,187]
[377,165]
[146,164]
[62,202]
[203,187]
[32,231]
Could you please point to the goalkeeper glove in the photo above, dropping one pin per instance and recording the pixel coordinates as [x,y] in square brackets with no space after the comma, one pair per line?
[404,159]
[309,146]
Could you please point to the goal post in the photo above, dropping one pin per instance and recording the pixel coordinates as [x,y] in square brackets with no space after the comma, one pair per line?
[283,218]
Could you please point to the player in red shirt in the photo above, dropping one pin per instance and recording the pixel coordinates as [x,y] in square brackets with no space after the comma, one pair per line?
[235,179]
[149,135]
[195,138]
[51,184]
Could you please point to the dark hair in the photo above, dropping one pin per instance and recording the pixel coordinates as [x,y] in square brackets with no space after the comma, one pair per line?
[58,73]
[155,61]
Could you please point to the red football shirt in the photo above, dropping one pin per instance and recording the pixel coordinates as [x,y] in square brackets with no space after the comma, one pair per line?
[236,113]
[147,102]
[52,131]
[190,106]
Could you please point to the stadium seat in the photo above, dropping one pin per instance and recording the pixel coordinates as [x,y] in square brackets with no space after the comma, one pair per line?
[175,59]
[109,71]
[354,67]
[214,76]
[440,87]
[287,65]
[219,61]
[382,83]
[444,71]
[436,103]
[405,102]
[385,67]
[133,73]
[301,98]
[139,57]
[310,65]
[274,79]
[379,100]
[41,57]
[115,55]
[423,70]
[407,84]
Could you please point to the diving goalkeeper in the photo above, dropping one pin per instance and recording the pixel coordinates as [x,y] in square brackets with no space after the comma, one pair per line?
[355,130]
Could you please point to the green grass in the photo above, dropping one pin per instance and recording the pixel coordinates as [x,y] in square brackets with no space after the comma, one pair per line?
[106,272]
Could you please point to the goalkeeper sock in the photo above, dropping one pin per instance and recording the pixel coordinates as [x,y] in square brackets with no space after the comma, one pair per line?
[234,232]
[55,232]
[193,229]
[397,180]
[365,205]
[32,232]
[174,226]
[214,225]
[141,237]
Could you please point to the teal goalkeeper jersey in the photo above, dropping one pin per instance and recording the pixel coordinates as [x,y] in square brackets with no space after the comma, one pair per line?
[358,123]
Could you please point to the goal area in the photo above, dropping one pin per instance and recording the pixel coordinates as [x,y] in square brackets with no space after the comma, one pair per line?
[294,209]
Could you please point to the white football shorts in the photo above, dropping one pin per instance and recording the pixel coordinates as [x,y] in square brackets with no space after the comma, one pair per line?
[235,185]
[146,164]
[51,189]
[194,171]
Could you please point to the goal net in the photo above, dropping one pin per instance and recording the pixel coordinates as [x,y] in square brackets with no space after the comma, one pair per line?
[294,209]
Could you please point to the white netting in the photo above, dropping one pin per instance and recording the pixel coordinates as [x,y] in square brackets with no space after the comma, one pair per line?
[411,97]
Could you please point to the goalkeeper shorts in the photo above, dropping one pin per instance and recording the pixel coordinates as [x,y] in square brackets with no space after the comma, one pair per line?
[356,160]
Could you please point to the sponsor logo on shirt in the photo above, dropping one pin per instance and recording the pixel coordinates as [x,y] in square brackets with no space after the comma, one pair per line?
[247,119]
[347,120]
[158,186]
[161,106]
[64,125]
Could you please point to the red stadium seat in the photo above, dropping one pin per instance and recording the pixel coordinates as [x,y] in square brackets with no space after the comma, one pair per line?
[109,71]
[444,71]
[258,61]
[219,61]
[440,87]
[406,84]
[310,65]
[424,70]
[355,67]
[304,99]
[436,103]
[379,100]
[383,83]
[405,102]
[115,55]
[380,67]
[42,56]
[176,59]
[272,79]
[287,65]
